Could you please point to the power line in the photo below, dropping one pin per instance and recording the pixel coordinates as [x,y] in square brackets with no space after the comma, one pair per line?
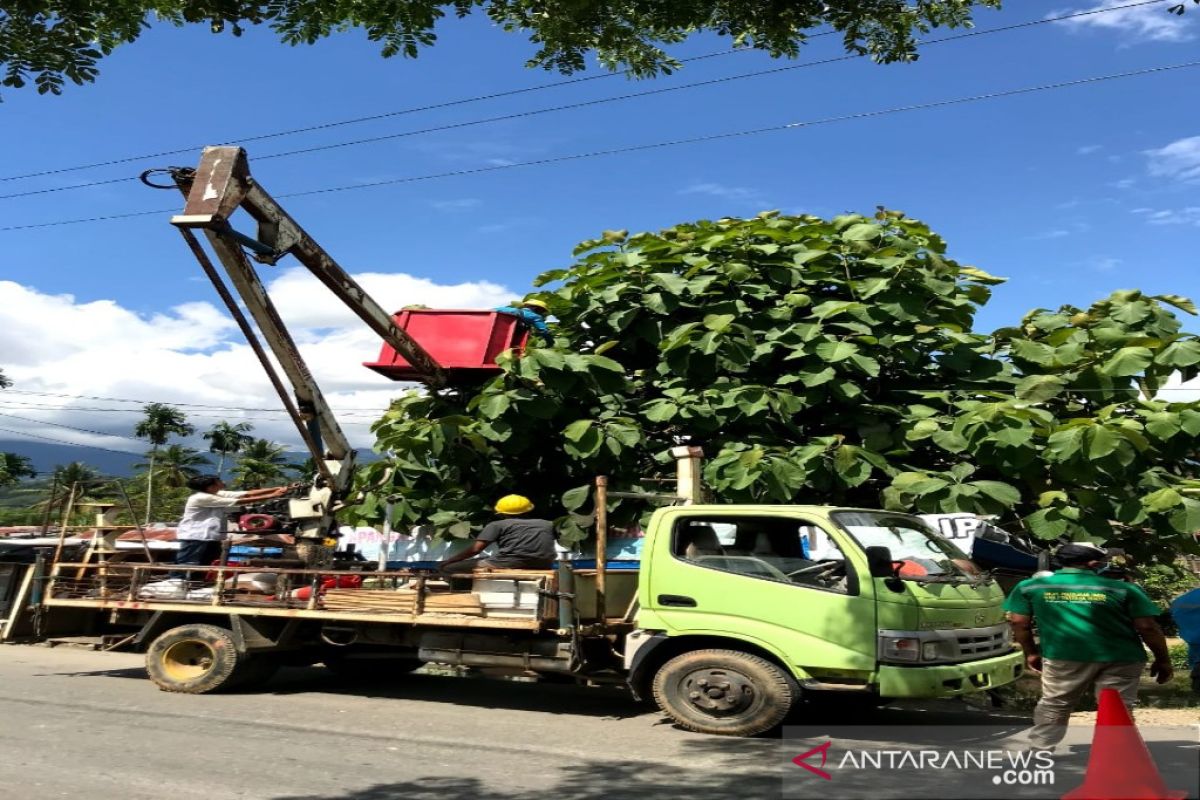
[603,100]
[147,402]
[674,142]
[69,427]
[64,441]
[374,117]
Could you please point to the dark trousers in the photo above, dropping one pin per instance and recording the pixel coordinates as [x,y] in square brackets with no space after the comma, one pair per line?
[202,552]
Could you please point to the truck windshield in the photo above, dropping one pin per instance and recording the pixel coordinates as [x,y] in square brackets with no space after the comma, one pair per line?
[925,555]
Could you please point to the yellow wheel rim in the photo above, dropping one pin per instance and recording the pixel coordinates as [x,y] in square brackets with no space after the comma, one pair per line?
[187,660]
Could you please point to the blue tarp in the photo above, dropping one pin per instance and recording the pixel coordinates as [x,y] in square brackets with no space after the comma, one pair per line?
[1185,610]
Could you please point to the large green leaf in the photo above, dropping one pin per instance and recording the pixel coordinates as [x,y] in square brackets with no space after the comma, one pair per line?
[836,351]
[1040,388]
[1128,361]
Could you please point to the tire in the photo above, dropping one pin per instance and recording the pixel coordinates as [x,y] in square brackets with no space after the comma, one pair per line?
[724,692]
[194,659]
[369,667]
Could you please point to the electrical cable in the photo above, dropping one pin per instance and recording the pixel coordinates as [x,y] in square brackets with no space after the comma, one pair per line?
[674,142]
[598,101]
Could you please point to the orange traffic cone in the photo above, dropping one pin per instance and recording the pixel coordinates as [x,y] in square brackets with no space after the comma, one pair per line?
[1120,766]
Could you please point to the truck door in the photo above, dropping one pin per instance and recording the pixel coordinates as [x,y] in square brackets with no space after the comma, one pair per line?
[780,579]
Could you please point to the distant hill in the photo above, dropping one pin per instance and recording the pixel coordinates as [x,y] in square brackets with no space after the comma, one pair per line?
[47,456]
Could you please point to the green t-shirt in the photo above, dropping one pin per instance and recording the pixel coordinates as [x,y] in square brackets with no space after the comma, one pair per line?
[1082,616]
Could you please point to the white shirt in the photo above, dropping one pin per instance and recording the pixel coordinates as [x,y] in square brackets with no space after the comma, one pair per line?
[204,516]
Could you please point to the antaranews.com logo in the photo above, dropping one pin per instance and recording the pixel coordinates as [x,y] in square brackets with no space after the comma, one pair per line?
[1007,767]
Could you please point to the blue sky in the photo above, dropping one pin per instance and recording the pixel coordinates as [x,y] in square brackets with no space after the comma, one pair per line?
[1071,193]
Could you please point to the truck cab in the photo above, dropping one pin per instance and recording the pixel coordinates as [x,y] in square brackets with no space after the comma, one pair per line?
[742,608]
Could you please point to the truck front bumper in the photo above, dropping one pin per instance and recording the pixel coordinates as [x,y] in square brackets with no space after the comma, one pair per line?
[949,680]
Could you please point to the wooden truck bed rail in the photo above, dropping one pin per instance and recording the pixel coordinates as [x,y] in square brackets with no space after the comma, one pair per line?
[406,596]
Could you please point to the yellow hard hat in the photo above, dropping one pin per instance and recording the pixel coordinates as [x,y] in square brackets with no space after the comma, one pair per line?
[513,504]
[535,304]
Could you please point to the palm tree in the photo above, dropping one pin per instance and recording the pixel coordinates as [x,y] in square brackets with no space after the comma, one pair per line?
[77,477]
[14,467]
[159,422]
[224,438]
[261,462]
[177,463]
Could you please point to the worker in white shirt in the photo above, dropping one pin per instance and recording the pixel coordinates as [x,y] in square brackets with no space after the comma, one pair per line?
[202,527]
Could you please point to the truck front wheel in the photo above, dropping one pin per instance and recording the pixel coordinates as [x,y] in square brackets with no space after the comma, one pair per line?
[193,659]
[724,692]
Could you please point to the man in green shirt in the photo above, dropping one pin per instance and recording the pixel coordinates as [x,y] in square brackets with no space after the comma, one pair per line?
[1091,630]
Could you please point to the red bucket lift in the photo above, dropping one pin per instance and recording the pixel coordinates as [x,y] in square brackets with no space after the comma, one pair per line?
[464,343]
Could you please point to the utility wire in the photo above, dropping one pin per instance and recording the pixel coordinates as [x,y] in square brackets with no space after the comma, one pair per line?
[597,102]
[671,143]
[373,117]
[70,427]
[144,402]
[64,441]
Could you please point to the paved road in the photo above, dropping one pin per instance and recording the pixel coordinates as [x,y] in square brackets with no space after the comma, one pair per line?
[75,723]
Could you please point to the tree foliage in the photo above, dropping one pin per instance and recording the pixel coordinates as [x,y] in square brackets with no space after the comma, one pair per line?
[14,467]
[48,42]
[815,361]
[159,422]
[224,438]
[261,462]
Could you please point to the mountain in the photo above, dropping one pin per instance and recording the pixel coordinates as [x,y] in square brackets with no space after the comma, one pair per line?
[46,457]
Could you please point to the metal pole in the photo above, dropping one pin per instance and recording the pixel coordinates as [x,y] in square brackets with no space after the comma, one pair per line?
[133,516]
[62,529]
[49,505]
[601,548]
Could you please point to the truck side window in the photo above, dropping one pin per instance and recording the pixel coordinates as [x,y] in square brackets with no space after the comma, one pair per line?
[772,548]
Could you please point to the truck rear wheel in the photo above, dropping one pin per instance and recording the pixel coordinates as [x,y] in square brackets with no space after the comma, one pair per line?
[194,659]
[724,692]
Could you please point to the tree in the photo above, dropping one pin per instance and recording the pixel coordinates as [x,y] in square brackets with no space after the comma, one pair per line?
[85,481]
[816,361]
[176,464]
[49,41]
[4,381]
[158,423]
[224,438]
[14,467]
[260,463]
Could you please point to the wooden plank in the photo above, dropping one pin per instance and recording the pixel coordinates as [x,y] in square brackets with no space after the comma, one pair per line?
[18,604]
[426,620]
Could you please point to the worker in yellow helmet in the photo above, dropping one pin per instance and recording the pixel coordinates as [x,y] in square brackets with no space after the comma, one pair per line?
[521,541]
[532,314]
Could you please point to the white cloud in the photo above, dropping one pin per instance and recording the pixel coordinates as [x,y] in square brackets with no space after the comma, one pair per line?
[1124,183]
[193,354]
[1147,23]
[1179,160]
[458,204]
[739,195]
[1088,149]
[1189,215]
[1105,263]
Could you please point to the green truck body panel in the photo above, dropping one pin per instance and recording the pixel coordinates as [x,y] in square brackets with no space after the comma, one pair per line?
[818,633]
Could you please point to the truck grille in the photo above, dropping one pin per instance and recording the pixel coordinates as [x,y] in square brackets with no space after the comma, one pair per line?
[983,642]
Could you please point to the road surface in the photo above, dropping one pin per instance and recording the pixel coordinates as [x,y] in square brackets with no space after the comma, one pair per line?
[81,724]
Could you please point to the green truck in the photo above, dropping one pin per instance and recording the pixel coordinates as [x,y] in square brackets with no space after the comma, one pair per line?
[733,614]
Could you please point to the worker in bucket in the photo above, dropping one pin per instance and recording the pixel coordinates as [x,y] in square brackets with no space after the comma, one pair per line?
[202,526]
[522,541]
[532,314]
[1091,631]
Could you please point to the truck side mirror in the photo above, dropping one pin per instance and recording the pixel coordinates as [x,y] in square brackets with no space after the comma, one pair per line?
[879,560]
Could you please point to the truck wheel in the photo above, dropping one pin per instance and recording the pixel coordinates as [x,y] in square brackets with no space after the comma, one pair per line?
[193,659]
[725,692]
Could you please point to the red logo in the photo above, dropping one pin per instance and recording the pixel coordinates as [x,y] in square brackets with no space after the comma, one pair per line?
[799,760]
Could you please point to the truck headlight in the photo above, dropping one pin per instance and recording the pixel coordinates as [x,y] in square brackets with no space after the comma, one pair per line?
[929,651]
[901,648]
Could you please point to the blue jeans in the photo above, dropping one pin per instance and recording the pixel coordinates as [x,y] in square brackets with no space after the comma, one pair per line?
[196,551]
